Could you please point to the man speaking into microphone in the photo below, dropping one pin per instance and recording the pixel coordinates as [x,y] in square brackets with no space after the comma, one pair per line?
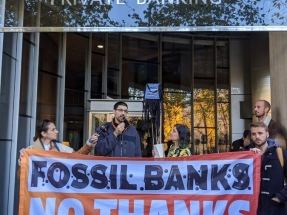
[120,139]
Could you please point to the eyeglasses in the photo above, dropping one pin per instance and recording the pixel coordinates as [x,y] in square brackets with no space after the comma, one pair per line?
[122,110]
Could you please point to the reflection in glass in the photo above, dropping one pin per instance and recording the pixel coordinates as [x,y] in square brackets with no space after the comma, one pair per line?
[98,44]
[204,116]
[27,56]
[176,64]
[97,66]
[112,83]
[223,118]
[204,61]
[47,96]
[141,47]
[177,110]
[48,55]
[135,76]
[48,74]
[74,89]
[113,51]
[11,14]
[139,64]
[204,141]
[115,13]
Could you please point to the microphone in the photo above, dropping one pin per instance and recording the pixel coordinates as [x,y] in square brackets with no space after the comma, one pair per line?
[103,128]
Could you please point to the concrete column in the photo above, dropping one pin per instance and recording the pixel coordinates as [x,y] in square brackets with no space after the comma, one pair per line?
[260,68]
[278,73]
[240,81]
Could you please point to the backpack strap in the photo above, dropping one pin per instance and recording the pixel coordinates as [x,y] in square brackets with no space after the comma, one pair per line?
[280,156]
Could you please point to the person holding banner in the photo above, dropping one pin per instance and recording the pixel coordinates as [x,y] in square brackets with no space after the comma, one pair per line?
[121,139]
[180,136]
[273,193]
[46,136]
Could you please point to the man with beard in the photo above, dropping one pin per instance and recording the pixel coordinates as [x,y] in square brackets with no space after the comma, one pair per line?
[121,138]
[261,109]
[273,193]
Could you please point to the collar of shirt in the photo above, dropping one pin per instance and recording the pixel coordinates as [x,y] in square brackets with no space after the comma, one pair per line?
[267,120]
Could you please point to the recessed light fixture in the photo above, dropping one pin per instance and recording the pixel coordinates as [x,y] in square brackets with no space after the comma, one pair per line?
[100,46]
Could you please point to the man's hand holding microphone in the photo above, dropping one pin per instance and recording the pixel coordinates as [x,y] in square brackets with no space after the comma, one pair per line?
[119,129]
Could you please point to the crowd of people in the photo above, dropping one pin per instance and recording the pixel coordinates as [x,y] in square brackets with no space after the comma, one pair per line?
[121,139]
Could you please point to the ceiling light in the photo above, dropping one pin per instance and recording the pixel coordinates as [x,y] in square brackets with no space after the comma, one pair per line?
[100,46]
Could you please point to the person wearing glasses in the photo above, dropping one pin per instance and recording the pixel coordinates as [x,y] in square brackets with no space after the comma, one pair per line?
[46,134]
[121,139]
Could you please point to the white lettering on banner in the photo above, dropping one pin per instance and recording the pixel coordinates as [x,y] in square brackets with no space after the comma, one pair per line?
[70,203]
[37,207]
[105,206]
[181,206]
[117,176]
[124,207]
[156,207]
[237,206]
[210,209]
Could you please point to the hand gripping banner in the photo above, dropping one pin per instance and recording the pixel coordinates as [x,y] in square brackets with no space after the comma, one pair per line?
[54,183]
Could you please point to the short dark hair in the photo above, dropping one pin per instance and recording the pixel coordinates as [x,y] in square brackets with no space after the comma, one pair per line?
[259,124]
[120,103]
[266,104]
[246,133]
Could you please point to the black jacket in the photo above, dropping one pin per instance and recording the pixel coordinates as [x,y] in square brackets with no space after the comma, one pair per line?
[237,145]
[124,145]
[272,182]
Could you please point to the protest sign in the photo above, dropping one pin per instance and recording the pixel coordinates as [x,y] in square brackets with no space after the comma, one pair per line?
[62,183]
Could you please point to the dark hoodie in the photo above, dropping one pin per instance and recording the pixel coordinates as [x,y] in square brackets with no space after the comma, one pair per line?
[126,144]
[272,181]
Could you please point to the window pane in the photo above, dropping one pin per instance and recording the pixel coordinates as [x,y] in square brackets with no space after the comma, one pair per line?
[223,120]
[204,117]
[176,65]
[74,88]
[139,64]
[177,110]
[98,51]
[204,60]
[141,47]
[135,77]
[27,56]
[113,51]
[97,76]
[47,78]
[48,55]
[47,96]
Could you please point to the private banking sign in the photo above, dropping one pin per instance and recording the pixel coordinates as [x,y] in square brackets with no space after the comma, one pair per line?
[139,2]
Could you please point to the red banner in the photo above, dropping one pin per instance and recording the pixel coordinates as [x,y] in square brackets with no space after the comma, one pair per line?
[215,184]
